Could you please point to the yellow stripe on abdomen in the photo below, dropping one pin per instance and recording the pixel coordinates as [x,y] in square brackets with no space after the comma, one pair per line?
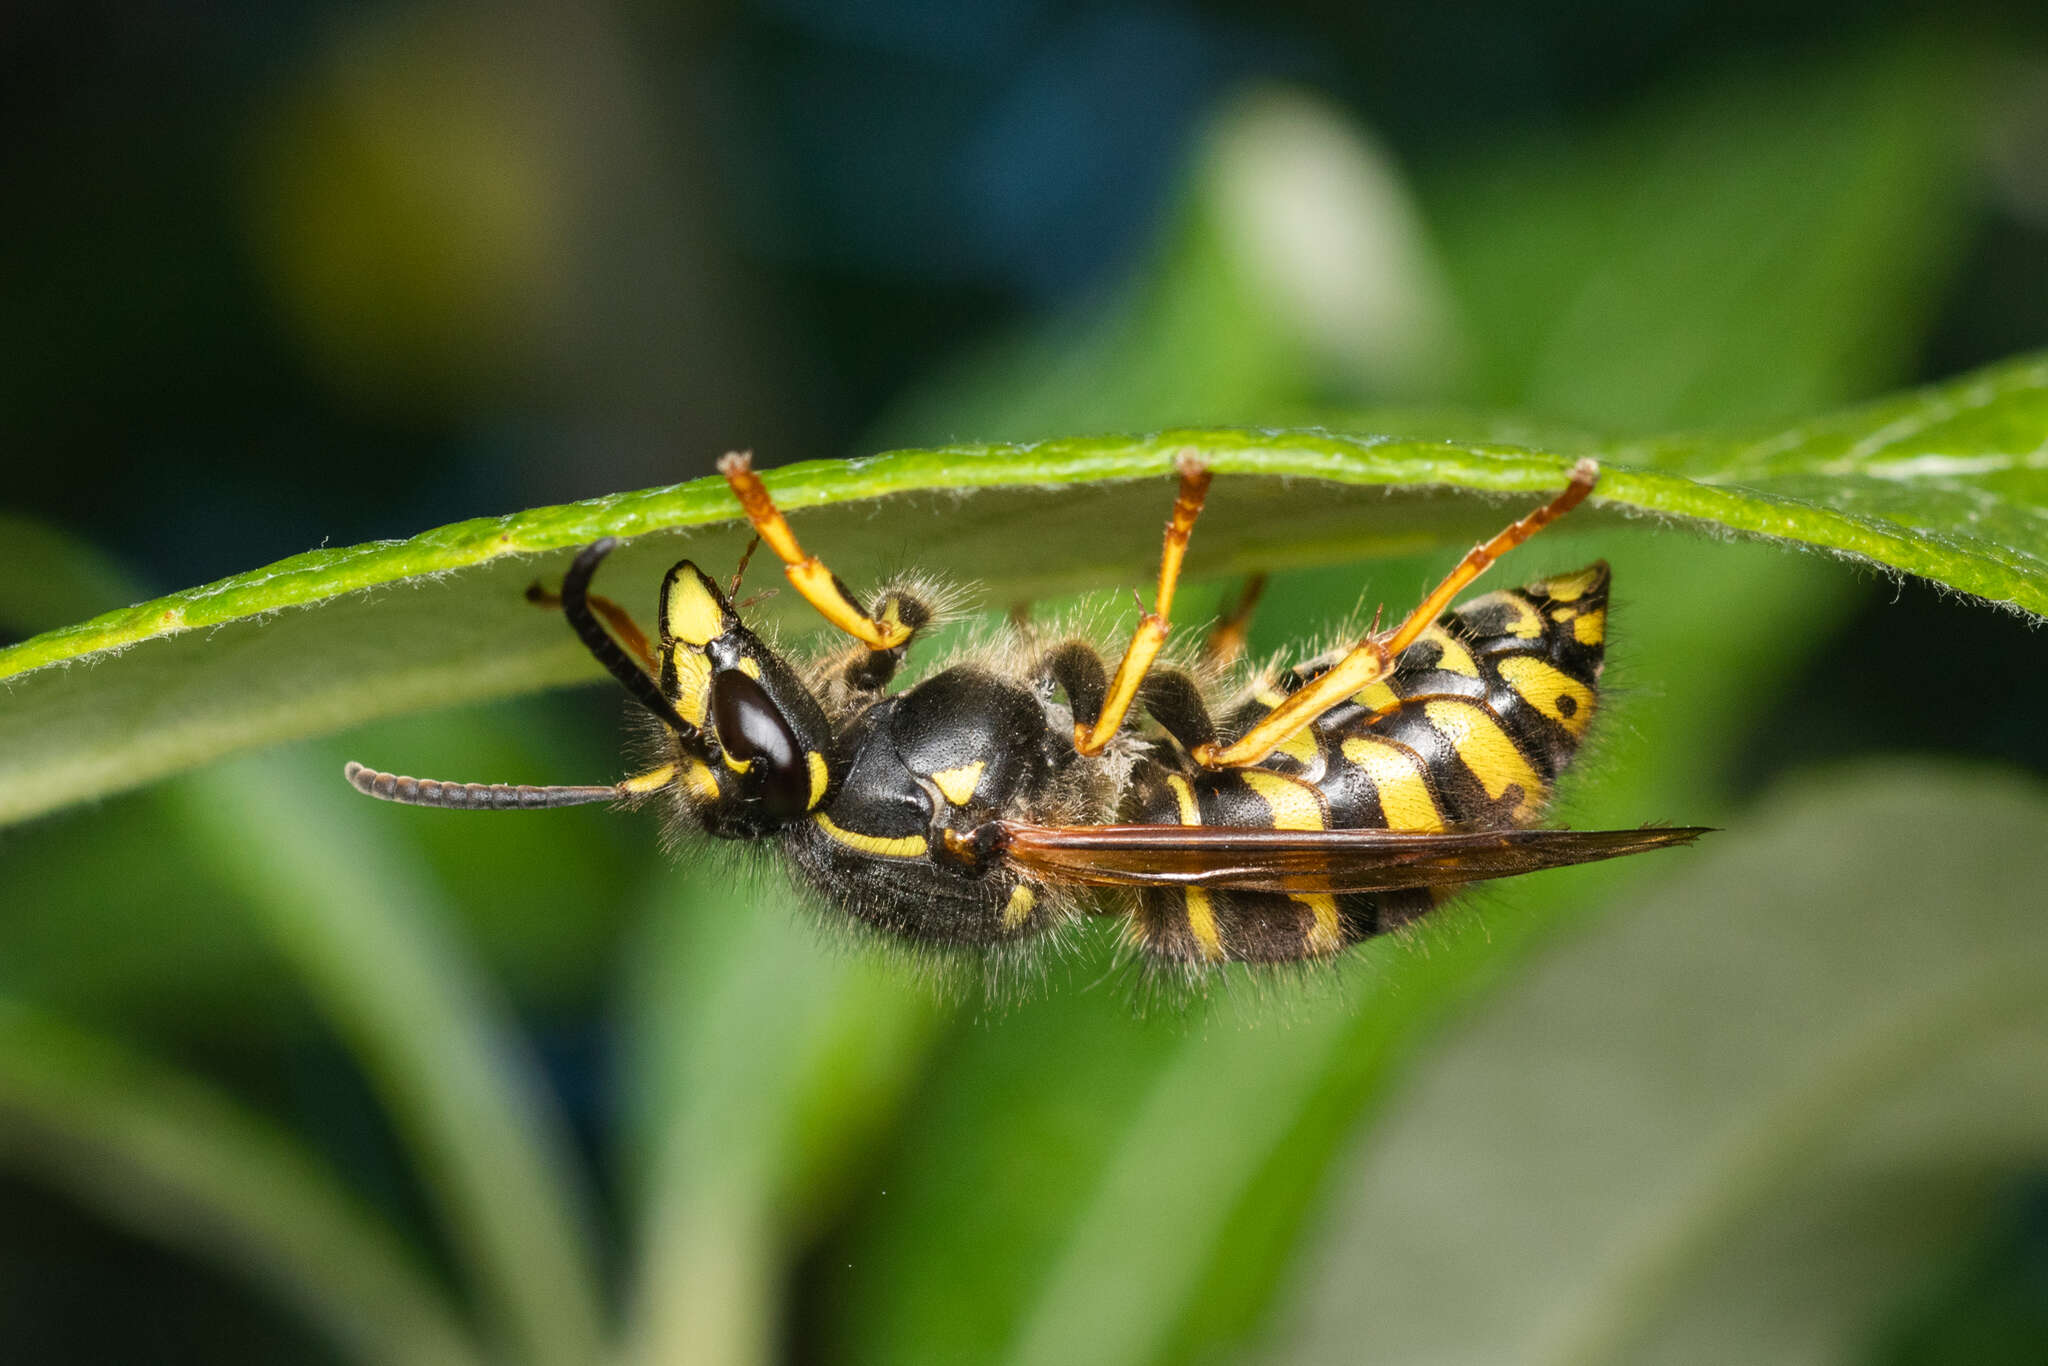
[1397,777]
[1549,690]
[1377,698]
[1325,931]
[1201,912]
[1487,750]
[1293,803]
[1453,657]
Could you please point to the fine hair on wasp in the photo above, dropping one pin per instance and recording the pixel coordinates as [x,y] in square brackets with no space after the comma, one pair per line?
[992,804]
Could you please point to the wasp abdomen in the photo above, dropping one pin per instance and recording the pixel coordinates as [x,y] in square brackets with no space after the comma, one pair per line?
[1468,731]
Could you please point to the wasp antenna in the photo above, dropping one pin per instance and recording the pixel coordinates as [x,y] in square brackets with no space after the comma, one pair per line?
[634,679]
[391,787]
[739,574]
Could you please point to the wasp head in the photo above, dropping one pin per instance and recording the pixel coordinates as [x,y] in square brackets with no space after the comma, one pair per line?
[760,736]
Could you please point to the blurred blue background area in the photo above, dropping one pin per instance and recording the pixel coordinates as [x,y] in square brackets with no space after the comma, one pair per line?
[286,275]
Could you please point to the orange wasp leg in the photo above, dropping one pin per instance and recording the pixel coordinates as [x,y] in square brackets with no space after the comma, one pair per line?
[1374,656]
[626,630]
[1150,636]
[1225,645]
[819,586]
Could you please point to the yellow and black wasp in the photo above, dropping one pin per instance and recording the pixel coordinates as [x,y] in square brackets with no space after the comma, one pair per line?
[985,805]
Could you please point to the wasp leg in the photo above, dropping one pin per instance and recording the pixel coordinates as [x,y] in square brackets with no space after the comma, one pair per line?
[1172,699]
[820,587]
[624,629]
[1226,642]
[1078,672]
[1169,696]
[856,675]
[1151,633]
[1374,656]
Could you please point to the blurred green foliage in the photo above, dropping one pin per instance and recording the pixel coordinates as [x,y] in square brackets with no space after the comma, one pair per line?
[1778,1101]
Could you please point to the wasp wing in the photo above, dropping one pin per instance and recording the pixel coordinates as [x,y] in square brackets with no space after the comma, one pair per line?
[1254,859]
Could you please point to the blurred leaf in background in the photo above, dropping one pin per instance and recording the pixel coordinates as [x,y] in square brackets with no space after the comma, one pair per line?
[1740,1120]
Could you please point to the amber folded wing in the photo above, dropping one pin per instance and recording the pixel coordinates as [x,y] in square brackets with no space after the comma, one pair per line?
[1251,859]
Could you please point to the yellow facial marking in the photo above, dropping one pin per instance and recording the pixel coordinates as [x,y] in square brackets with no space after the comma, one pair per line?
[1325,931]
[702,781]
[957,784]
[1293,803]
[821,778]
[693,614]
[881,846]
[1456,658]
[736,765]
[1549,690]
[1397,776]
[1017,909]
[1486,750]
[1591,627]
[693,680]
[1377,698]
[1571,587]
[749,667]
[651,781]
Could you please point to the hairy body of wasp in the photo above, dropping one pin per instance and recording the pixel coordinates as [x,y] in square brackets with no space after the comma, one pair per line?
[1334,801]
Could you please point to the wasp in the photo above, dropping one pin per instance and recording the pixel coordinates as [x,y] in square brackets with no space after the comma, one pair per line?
[989,804]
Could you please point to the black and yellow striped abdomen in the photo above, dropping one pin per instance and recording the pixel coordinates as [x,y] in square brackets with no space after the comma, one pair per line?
[1470,730]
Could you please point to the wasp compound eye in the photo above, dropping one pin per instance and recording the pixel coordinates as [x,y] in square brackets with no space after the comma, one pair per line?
[760,743]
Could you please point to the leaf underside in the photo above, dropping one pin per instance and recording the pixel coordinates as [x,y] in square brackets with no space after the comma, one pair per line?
[1948,483]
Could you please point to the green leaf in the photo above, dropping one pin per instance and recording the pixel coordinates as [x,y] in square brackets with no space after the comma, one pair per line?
[165,1156]
[762,1064]
[1735,1124]
[1942,482]
[359,923]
